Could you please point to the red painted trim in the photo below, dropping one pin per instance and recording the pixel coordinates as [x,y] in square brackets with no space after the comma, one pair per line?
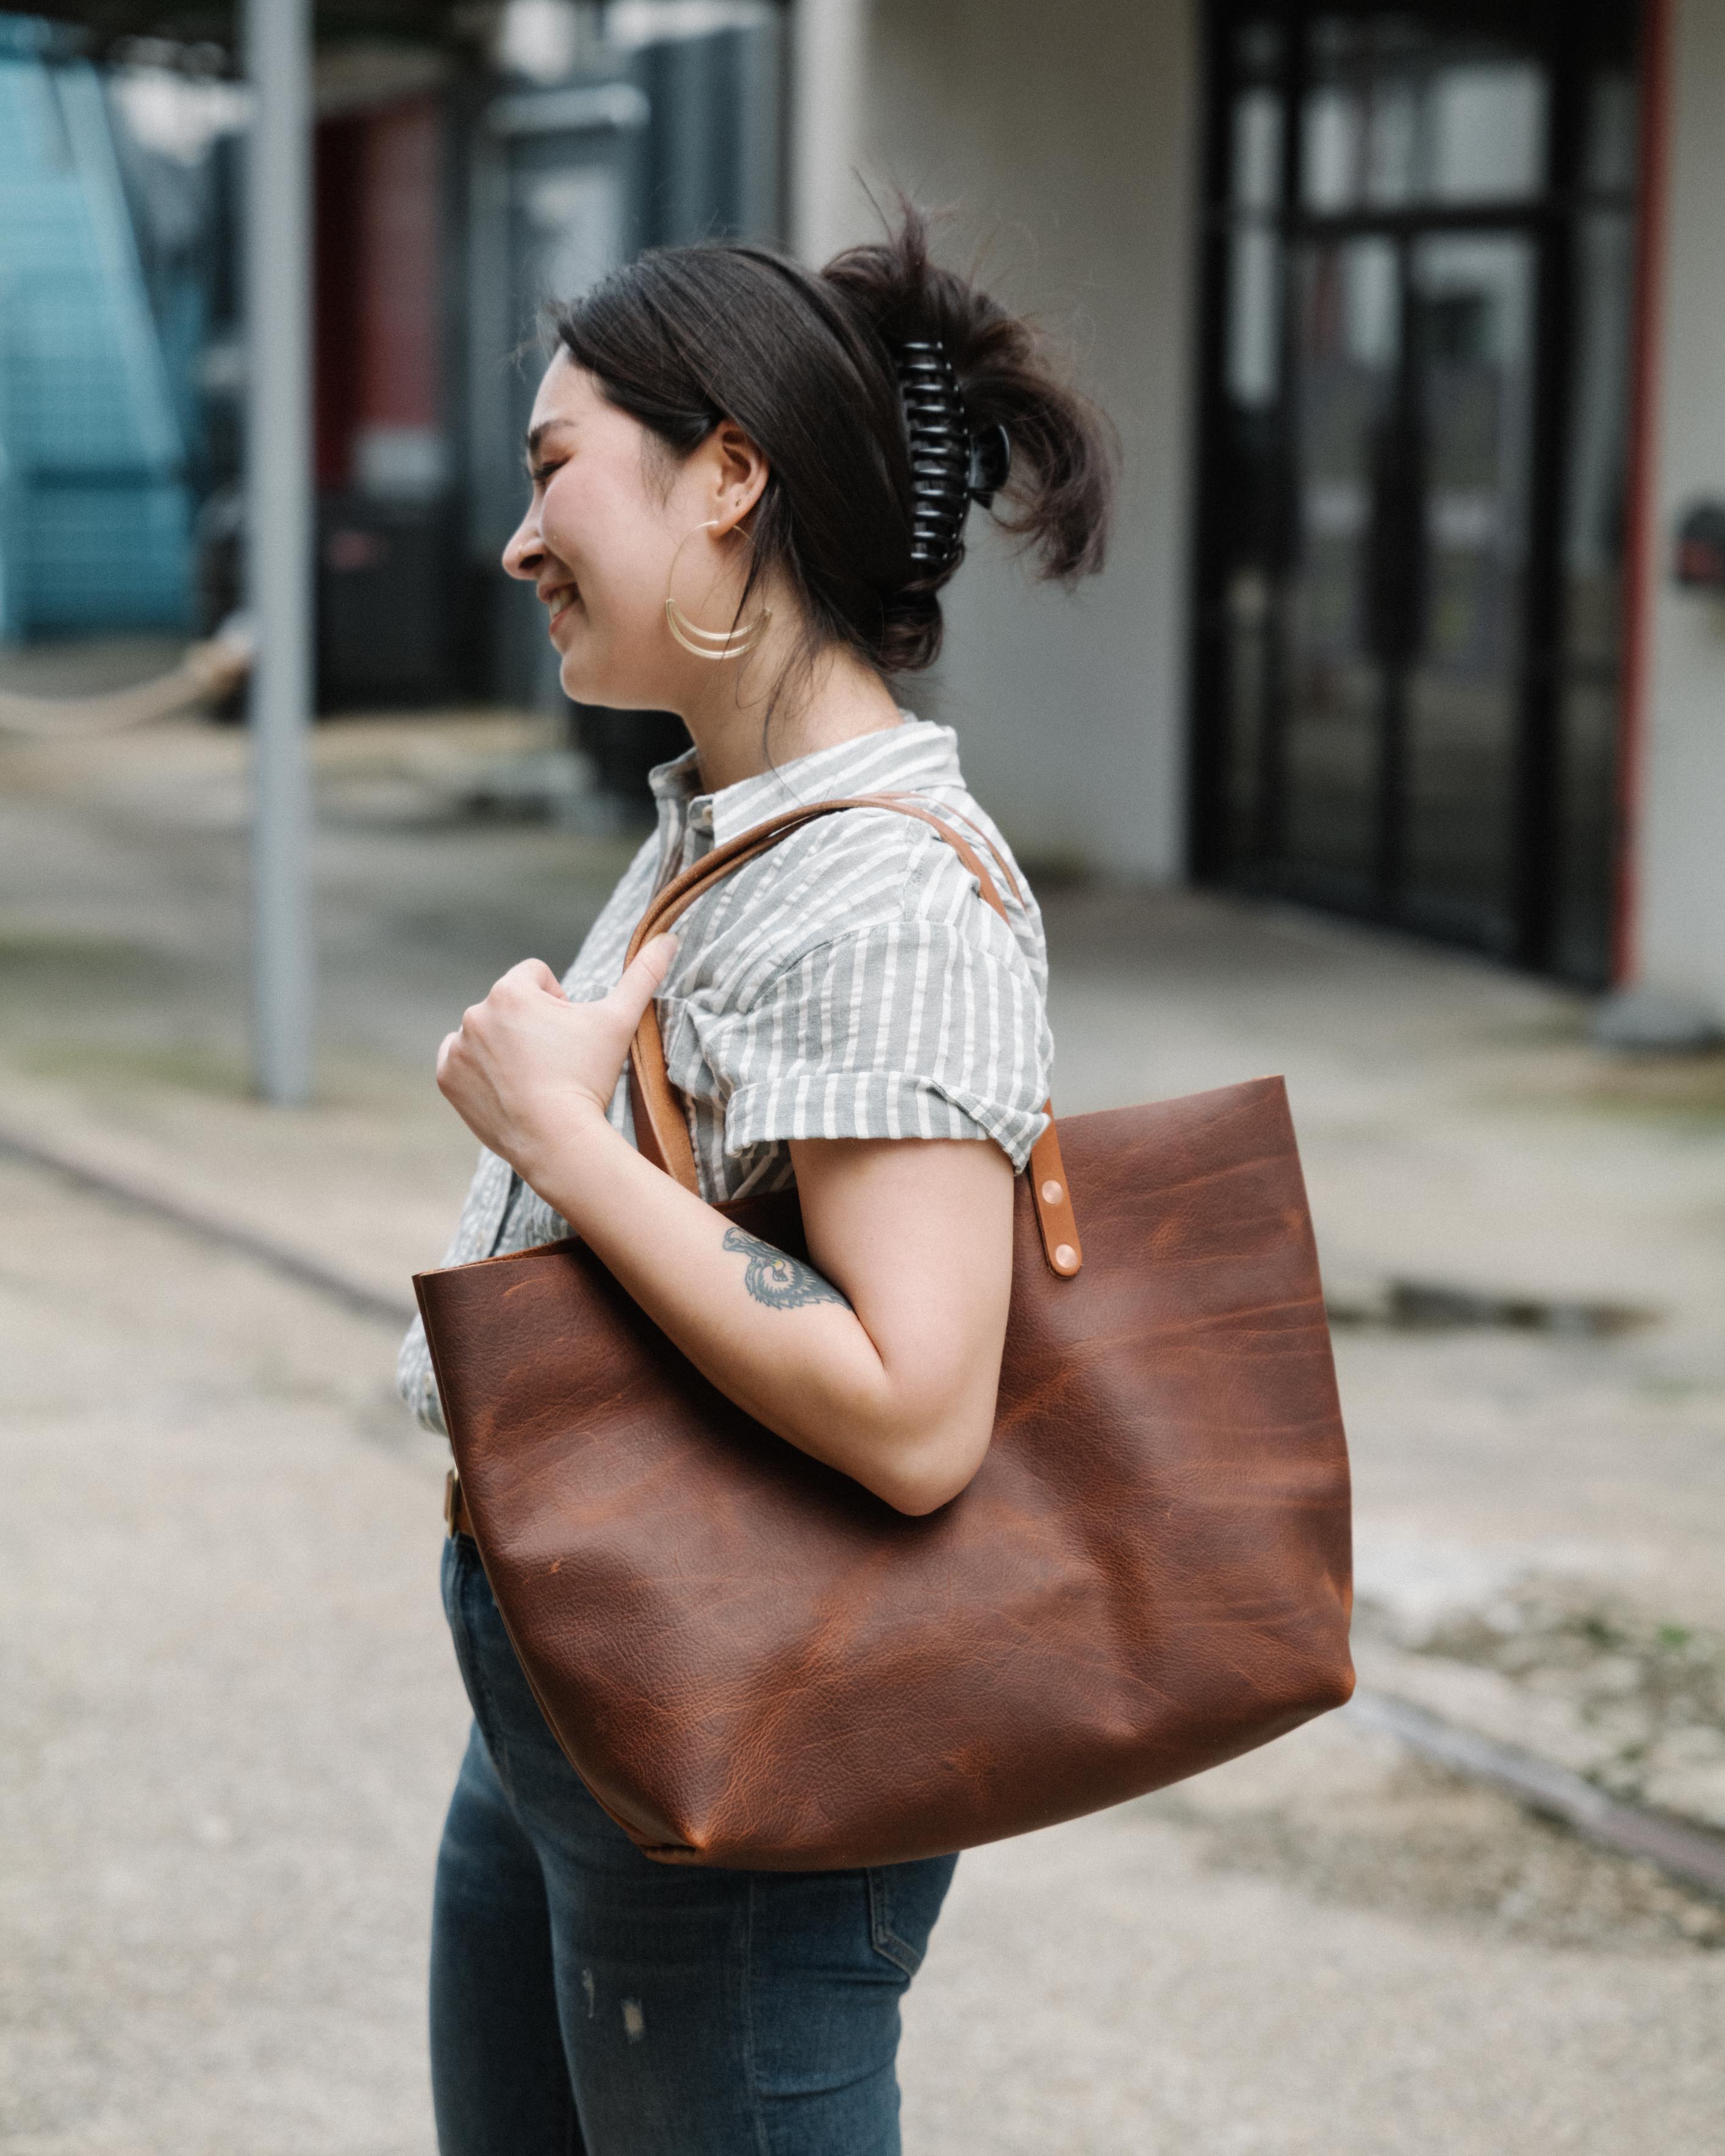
[1644,550]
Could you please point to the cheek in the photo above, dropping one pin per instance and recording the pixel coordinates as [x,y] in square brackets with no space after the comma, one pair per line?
[617,554]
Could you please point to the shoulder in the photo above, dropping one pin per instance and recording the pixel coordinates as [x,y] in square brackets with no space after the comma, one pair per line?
[863,870]
[898,1003]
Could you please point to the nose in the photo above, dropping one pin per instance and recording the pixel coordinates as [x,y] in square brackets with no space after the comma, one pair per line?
[524,554]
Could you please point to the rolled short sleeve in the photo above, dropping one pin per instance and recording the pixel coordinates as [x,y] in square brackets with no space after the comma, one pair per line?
[908,1028]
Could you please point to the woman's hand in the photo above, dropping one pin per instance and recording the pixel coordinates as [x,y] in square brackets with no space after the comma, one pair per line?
[527,1070]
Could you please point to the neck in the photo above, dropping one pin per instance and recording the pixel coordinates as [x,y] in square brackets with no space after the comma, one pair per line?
[728,718]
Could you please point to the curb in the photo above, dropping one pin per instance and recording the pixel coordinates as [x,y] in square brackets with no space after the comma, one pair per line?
[353,1295]
[1685,1852]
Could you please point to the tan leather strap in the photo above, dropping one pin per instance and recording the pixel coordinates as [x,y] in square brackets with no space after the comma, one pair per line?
[957,815]
[661,1130]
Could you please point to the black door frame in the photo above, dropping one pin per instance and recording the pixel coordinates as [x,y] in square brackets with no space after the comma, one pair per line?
[1557,30]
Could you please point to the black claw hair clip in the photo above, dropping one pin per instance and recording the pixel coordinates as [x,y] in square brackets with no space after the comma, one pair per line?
[951,466]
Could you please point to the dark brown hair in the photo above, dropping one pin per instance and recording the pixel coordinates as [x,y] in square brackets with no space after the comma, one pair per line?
[686,337]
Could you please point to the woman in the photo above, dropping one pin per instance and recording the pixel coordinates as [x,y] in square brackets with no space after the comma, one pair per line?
[726,523]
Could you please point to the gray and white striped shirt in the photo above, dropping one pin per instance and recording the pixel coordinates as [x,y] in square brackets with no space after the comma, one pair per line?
[849,983]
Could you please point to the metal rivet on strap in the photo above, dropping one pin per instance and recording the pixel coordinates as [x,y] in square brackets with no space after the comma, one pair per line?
[1052,1193]
[1066,1257]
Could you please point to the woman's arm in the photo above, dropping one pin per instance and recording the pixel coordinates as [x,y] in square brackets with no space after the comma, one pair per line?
[881,1357]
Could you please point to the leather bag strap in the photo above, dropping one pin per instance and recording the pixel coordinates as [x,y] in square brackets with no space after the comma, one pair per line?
[661,1130]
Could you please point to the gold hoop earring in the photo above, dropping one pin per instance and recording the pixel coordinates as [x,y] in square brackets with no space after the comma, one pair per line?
[710,643]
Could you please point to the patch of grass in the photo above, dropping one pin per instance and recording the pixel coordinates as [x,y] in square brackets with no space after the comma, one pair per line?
[32,949]
[1686,1086]
[1681,1089]
[1649,1681]
[190,1066]
[1430,1844]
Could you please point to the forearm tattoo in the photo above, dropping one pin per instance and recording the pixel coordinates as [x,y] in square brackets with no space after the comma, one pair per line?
[780,1281]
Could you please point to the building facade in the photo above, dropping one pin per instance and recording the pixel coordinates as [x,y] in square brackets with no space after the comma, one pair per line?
[1409,316]
[448,214]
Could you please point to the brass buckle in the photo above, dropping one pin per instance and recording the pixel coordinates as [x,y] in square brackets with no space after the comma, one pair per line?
[452,1490]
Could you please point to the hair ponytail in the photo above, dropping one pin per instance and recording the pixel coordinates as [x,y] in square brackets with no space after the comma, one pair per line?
[1061,484]
[806,365]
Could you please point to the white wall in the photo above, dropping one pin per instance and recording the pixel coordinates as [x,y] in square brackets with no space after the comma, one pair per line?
[1066,139]
[1680,846]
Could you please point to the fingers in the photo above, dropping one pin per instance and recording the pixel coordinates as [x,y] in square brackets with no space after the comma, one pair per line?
[527,977]
[657,956]
[532,973]
[642,981]
[531,977]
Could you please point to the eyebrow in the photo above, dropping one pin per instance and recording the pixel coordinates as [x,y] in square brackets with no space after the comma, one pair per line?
[535,435]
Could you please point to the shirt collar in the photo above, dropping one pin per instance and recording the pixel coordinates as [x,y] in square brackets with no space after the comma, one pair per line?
[914,754]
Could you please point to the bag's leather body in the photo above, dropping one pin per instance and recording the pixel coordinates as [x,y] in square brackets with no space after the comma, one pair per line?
[751,1661]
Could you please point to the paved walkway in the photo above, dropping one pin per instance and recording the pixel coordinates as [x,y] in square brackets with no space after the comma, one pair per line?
[231,1719]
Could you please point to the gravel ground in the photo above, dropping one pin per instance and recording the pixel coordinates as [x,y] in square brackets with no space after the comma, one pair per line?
[1652,1695]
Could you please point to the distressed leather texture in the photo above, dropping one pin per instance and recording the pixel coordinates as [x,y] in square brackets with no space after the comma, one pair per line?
[751,1661]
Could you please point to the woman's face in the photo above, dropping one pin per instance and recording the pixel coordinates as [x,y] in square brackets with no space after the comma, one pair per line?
[609,510]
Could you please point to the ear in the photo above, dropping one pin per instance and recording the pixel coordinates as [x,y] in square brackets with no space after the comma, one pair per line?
[739,475]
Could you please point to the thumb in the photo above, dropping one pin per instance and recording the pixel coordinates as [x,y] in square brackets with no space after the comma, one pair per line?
[641,982]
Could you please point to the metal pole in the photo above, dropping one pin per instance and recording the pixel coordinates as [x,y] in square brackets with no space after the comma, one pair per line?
[278,533]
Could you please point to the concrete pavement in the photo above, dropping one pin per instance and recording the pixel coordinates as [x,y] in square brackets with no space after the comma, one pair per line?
[232,1718]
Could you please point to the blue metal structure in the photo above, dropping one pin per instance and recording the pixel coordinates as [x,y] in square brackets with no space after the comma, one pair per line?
[94,510]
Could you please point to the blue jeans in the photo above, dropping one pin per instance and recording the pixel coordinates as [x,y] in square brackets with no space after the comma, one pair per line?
[586,2001]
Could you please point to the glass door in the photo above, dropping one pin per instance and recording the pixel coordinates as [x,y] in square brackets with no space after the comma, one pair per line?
[1341,626]
[1406,659]
[1463,565]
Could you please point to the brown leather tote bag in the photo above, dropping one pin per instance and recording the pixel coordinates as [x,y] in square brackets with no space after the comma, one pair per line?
[750,1660]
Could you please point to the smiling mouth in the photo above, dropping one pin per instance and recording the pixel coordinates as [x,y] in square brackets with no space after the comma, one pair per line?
[560,603]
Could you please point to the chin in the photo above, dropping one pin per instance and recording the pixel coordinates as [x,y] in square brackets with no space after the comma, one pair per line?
[586,680]
[580,678]
[585,684]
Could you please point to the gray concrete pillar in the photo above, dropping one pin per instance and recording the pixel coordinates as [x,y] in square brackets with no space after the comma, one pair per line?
[278,288]
[829,58]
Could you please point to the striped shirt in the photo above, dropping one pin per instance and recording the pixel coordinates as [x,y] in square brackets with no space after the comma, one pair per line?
[850,982]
